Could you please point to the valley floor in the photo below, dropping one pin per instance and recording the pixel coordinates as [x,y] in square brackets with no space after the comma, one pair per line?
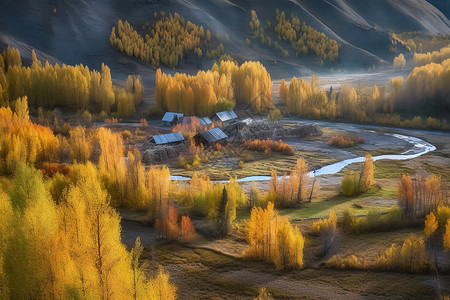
[217,269]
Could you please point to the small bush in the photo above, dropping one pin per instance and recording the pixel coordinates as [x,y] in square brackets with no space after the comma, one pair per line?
[274,115]
[345,142]
[143,123]
[268,145]
[327,229]
[86,116]
[374,221]
[355,184]
[111,121]
[126,135]
[345,263]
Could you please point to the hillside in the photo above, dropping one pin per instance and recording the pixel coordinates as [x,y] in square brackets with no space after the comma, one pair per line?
[78,31]
[442,5]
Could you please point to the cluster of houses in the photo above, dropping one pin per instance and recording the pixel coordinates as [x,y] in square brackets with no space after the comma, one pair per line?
[206,137]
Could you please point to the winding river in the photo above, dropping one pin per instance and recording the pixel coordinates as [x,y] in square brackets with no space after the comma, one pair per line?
[420,147]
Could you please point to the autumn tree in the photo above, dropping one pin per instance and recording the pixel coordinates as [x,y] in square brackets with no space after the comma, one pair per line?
[112,162]
[419,196]
[22,140]
[187,229]
[158,185]
[224,218]
[283,91]
[399,61]
[80,145]
[272,238]
[291,190]
[447,236]
[160,288]
[167,224]
[327,230]
[359,182]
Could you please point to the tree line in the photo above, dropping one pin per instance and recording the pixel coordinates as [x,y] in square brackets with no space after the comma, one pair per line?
[424,91]
[51,86]
[199,95]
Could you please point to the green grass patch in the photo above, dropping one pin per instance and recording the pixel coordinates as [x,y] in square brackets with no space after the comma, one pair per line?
[438,170]
[388,169]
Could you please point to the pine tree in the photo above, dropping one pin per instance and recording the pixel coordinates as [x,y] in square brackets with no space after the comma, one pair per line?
[223,226]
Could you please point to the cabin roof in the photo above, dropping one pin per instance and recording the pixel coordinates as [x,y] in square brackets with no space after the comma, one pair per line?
[226,115]
[213,135]
[168,138]
[170,116]
[205,121]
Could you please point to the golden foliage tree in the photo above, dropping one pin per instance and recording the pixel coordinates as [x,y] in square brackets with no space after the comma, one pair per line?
[80,145]
[420,196]
[430,224]
[447,236]
[112,161]
[22,140]
[357,183]
[291,190]
[273,238]
[399,61]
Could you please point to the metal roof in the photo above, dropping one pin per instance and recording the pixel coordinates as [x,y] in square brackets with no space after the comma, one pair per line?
[226,115]
[168,138]
[169,116]
[205,121]
[213,135]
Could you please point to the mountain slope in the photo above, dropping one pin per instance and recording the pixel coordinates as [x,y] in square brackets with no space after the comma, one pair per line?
[77,31]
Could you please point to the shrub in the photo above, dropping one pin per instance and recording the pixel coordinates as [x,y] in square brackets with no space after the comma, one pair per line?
[263,145]
[274,115]
[86,116]
[126,135]
[328,232]
[374,221]
[354,184]
[345,263]
[345,142]
[143,123]
[349,184]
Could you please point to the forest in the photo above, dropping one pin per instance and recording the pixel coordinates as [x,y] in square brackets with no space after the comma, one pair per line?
[167,41]
[302,38]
